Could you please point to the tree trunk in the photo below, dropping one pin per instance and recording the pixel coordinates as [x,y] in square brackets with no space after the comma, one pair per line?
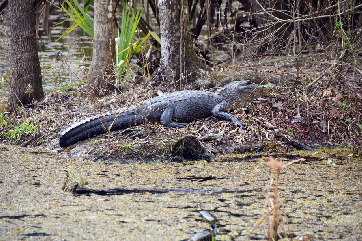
[101,72]
[179,62]
[25,72]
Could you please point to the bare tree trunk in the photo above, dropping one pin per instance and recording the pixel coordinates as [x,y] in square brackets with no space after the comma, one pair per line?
[179,62]
[101,72]
[170,27]
[25,72]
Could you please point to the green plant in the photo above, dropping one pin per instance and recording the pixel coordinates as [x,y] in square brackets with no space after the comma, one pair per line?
[80,17]
[290,131]
[24,129]
[3,122]
[125,48]
[161,142]
[340,32]
[72,177]
[128,145]
[345,105]
[347,121]
[71,85]
[97,142]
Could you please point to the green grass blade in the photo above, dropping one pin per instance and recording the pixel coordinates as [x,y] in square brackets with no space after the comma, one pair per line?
[70,29]
[155,36]
[79,17]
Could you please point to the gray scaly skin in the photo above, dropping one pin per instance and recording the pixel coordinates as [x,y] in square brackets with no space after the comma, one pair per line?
[172,110]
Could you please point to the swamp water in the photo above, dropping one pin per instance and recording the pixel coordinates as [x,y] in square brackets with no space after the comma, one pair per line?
[319,198]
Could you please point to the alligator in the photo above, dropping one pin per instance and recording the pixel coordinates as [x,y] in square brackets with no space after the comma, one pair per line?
[176,109]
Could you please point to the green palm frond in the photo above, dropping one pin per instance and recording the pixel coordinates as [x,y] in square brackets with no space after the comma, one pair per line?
[125,47]
[80,17]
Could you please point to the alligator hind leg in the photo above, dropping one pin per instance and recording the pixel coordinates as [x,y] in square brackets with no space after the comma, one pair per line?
[166,119]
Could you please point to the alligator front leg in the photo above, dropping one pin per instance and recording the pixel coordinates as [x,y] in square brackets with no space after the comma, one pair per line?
[218,113]
[167,118]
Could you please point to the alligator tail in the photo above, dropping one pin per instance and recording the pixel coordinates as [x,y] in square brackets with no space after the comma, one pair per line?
[96,126]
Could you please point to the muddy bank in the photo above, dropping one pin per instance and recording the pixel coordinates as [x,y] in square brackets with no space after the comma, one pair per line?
[320,198]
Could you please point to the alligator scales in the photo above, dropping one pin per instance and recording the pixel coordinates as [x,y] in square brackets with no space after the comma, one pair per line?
[172,110]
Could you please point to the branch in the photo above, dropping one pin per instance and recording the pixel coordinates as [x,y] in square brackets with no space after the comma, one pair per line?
[309,16]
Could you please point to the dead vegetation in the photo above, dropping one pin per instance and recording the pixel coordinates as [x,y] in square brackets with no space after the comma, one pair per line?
[300,113]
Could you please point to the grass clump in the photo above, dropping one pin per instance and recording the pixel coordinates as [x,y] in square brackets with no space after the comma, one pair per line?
[24,129]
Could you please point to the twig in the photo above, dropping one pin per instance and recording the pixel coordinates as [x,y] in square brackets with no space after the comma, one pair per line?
[309,17]
[334,63]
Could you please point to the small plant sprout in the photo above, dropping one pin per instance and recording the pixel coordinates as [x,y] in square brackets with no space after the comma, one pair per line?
[72,182]
[97,142]
[3,122]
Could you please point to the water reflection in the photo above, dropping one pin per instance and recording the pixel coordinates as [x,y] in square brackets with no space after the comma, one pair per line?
[63,62]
